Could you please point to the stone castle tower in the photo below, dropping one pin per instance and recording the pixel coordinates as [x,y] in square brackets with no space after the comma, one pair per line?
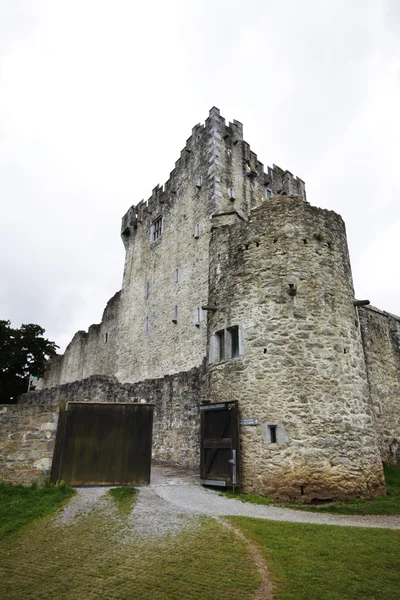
[236,288]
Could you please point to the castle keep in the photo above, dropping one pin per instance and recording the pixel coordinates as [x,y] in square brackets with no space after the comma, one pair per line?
[235,288]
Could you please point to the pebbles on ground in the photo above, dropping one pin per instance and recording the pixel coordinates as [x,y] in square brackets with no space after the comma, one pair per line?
[174,499]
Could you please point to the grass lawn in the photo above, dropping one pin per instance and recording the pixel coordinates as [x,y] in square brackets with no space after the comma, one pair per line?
[20,505]
[383,505]
[124,497]
[323,562]
[100,557]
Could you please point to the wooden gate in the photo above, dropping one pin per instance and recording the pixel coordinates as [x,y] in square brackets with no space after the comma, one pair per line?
[219,462]
[103,444]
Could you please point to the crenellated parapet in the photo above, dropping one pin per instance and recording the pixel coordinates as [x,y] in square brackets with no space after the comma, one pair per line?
[217,159]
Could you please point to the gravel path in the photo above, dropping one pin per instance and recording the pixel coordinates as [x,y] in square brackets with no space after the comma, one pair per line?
[153,517]
[82,503]
[174,499]
[180,490]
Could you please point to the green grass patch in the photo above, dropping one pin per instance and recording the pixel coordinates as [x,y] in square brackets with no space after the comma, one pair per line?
[124,497]
[324,562]
[252,498]
[19,505]
[381,505]
[98,556]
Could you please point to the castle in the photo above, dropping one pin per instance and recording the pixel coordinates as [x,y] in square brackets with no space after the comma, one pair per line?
[235,288]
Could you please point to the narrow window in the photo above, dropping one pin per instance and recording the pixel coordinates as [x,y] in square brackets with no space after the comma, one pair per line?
[234,341]
[220,336]
[197,317]
[146,326]
[106,338]
[231,193]
[147,290]
[199,182]
[175,319]
[156,229]
[176,276]
[197,231]
[267,192]
[272,432]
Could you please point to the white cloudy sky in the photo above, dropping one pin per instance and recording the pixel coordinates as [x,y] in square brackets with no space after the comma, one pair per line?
[98,97]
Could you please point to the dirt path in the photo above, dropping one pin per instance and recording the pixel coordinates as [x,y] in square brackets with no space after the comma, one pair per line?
[266,589]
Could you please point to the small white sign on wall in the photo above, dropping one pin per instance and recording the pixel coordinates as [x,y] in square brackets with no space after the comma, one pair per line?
[249,422]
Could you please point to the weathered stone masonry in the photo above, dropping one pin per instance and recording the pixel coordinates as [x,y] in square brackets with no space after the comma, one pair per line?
[278,331]
[381,340]
[284,277]
[176,400]
[27,436]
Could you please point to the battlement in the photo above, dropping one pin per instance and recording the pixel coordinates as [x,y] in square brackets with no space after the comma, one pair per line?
[203,155]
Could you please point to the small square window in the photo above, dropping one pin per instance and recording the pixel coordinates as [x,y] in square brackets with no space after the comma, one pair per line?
[156,229]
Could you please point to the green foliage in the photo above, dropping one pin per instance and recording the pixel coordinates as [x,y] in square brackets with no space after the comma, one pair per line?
[327,562]
[319,236]
[381,505]
[20,505]
[23,353]
[124,498]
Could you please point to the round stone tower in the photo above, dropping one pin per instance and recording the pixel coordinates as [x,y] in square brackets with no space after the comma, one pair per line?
[284,341]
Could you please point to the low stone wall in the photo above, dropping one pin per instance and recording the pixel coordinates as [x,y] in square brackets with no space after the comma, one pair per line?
[27,435]
[176,399]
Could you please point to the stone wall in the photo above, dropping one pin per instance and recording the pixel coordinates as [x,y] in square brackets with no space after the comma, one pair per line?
[166,280]
[155,326]
[27,435]
[176,400]
[381,341]
[284,279]
[87,353]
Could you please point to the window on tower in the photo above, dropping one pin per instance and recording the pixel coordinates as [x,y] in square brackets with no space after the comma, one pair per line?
[156,229]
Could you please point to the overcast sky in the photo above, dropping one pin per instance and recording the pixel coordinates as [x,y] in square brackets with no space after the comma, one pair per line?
[98,97]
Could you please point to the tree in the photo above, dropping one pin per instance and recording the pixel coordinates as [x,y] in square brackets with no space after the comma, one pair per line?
[23,353]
